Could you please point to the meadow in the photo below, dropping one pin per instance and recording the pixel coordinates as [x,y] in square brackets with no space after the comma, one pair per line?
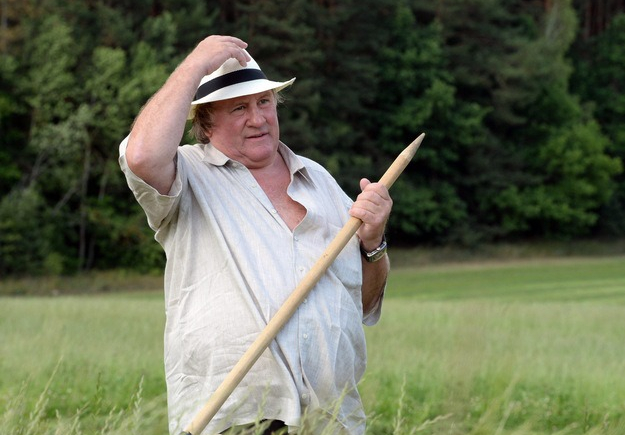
[529,347]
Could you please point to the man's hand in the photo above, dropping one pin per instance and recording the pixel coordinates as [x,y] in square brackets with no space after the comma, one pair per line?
[372,207]
[214,50]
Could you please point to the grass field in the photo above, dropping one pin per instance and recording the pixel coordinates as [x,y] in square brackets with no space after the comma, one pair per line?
[516,348]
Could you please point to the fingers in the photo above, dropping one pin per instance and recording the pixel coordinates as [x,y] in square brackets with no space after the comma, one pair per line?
[214,50]
[239,52]
[364,183]
[374,198]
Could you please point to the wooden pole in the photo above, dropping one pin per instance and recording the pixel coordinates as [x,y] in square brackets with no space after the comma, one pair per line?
[298,295]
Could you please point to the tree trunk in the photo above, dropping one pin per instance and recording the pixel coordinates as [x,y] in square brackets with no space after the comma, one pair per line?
[84,208]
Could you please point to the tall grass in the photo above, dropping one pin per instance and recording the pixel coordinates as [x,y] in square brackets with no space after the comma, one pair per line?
[530,348]
[81,359]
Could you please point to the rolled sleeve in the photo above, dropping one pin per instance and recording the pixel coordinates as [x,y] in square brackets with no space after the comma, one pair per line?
[157,207]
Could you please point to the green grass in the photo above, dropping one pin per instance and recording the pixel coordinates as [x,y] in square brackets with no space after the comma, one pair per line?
[101,355]
[521,347]
[531,346]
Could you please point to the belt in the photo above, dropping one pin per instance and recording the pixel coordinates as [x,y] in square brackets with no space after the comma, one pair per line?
[272,427]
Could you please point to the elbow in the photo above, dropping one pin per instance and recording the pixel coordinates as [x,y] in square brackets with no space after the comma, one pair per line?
[142,160]
[137,157]
[146,163]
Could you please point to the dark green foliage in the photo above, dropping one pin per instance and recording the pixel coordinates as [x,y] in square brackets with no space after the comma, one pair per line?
[599,78]
[26,235]
[576,178]
[521,105]
[12,125]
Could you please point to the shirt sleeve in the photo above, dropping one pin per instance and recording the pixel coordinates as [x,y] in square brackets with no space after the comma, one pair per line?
[158,208]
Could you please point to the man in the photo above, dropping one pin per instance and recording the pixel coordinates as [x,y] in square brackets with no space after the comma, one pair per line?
[242,219]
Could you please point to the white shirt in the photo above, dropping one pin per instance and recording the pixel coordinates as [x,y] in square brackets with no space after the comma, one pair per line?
[231,263]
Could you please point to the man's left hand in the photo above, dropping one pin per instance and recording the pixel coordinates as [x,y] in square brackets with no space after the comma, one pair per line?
[372,207]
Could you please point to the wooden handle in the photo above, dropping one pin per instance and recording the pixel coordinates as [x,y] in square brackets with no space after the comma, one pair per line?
[298,295]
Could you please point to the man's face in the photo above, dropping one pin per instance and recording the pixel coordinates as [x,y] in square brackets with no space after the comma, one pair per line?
[246,129]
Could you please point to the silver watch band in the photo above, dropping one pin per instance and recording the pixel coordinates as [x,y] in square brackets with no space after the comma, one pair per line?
[377,253]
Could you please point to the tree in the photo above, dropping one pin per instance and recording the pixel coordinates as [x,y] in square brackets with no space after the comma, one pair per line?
[11,115]
[25,235]
[420,96]
[524,78]
[77,110]
[596,15]
[520,141]
[348,35]
[576,179]
[599,80]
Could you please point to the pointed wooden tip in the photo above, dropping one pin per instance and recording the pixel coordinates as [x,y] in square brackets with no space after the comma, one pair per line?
[401,162]
[411,149]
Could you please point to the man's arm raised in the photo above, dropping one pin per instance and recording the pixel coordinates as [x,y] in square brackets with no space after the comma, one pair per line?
[157,131]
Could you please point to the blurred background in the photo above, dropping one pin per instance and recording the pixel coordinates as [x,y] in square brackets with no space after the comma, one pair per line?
[522,103]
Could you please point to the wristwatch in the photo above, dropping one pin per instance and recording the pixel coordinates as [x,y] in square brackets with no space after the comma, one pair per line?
[376,254]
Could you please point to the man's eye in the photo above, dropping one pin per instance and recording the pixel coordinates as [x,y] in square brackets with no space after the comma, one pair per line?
[238,108]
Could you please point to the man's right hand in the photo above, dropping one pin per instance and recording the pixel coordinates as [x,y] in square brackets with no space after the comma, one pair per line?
[214,50]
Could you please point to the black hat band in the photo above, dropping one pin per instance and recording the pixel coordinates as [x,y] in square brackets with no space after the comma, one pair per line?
[231,78]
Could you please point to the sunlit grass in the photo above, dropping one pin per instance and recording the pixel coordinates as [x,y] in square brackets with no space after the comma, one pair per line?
[479,345]
[97,345]
[525,348]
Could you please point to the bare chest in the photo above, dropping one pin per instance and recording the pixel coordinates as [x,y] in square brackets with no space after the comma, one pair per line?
[291,212]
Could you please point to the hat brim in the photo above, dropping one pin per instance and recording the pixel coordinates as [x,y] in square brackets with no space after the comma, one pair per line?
[239,90]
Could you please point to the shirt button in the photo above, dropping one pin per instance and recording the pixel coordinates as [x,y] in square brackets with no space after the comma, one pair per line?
[306,300]
[274,211]
[295,238]
[304,396]
[305,336]
[301,269]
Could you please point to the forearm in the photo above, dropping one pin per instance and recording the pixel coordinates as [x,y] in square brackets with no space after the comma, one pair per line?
[161,123]
[157,131]
[374,276]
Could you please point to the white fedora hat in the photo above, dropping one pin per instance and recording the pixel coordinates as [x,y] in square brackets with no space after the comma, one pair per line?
[232,80]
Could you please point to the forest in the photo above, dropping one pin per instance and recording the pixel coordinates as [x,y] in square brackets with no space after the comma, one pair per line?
[522,103]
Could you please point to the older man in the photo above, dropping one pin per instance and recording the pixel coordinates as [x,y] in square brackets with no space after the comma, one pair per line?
[241,219]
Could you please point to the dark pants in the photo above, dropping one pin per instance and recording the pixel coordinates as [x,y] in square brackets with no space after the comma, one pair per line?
[276,427]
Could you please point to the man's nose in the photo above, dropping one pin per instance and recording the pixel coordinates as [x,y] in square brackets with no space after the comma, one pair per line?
[256,116]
